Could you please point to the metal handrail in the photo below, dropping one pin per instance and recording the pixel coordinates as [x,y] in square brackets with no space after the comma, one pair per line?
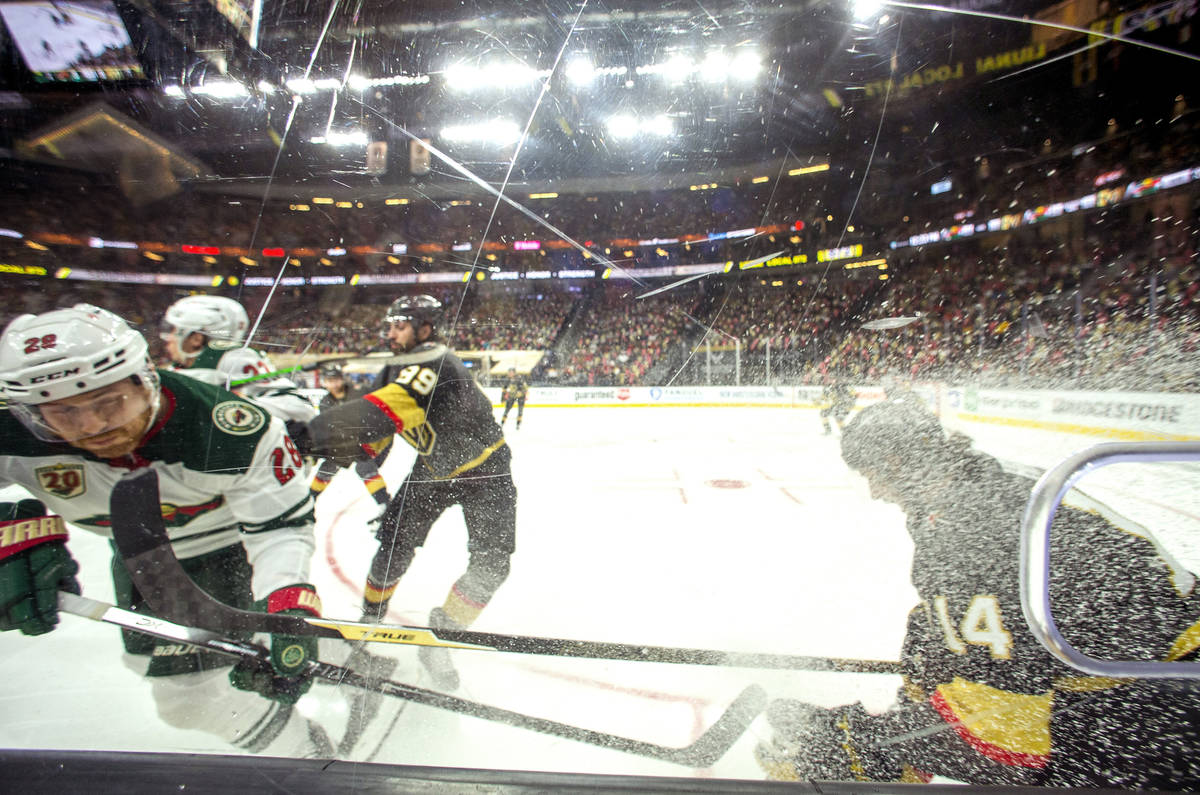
[1047,494]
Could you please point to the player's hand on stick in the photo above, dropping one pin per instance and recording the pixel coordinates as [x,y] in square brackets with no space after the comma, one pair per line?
[286,678]
[34,566]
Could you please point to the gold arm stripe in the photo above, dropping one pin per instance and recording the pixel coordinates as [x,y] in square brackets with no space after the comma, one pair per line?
[1186,643]
[398,405]
[474,462]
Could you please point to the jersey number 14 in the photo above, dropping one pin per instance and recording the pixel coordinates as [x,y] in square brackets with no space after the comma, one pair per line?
[981,625]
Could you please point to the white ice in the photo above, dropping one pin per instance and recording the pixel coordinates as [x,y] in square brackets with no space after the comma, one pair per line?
[734,529]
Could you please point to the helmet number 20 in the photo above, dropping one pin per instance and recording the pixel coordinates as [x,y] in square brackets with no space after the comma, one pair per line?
[35,344]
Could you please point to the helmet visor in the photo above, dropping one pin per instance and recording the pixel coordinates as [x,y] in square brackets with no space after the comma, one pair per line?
[94,414]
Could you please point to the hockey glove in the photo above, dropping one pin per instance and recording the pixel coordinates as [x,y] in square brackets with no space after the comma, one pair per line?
[285,680]
[301,437]
[34,566]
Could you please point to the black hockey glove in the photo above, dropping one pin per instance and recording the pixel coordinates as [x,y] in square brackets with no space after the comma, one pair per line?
[34,566]
[285,680]
[300,436]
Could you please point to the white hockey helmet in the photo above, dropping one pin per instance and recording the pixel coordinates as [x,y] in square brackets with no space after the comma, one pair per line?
[215,316]
[69,352]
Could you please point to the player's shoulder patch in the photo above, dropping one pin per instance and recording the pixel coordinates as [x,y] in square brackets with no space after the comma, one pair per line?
[238,418]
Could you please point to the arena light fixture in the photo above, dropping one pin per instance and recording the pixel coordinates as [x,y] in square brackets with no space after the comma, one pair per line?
[714,68]
[864,10]
[301,85]
[580,72]
[173,90]
[343,138]
[221,89]
[496,75]
[677,68]
[499,132]
[322,200]
[795,172]
[622,126]
[745,65]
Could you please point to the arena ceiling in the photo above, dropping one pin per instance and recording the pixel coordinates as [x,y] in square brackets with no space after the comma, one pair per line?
[300,94]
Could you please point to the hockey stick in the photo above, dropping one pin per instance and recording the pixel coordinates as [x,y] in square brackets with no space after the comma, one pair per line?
[141,540]
[706,750]
[299,368]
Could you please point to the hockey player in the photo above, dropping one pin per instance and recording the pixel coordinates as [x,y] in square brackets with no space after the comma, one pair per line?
[983,702]
[368,463]
[427,397]
[514,391]
[839,400]
[200,329]
[85,406]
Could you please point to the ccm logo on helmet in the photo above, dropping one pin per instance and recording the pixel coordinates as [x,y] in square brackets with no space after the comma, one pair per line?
[39,379]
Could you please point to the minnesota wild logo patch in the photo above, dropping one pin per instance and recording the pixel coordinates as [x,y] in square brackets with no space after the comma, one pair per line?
[238,418]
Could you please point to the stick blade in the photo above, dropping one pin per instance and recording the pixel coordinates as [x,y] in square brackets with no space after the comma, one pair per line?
[726,731]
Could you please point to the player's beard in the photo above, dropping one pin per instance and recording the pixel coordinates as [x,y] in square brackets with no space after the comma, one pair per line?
[120,441]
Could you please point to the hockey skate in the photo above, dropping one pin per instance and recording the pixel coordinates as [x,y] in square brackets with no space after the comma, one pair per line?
[435,659]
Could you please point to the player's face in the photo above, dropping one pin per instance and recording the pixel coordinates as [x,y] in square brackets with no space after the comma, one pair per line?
[182,352]
[107,422]
[402,335]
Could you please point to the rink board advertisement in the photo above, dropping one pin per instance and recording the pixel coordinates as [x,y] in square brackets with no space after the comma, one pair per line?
[668,396]
[1114,416]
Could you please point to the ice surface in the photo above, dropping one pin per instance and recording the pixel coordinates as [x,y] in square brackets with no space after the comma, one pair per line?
[735,528]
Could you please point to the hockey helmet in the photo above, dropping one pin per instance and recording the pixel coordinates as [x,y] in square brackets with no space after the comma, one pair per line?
[69,352]
[893,438]
[215,316]
[419,310]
